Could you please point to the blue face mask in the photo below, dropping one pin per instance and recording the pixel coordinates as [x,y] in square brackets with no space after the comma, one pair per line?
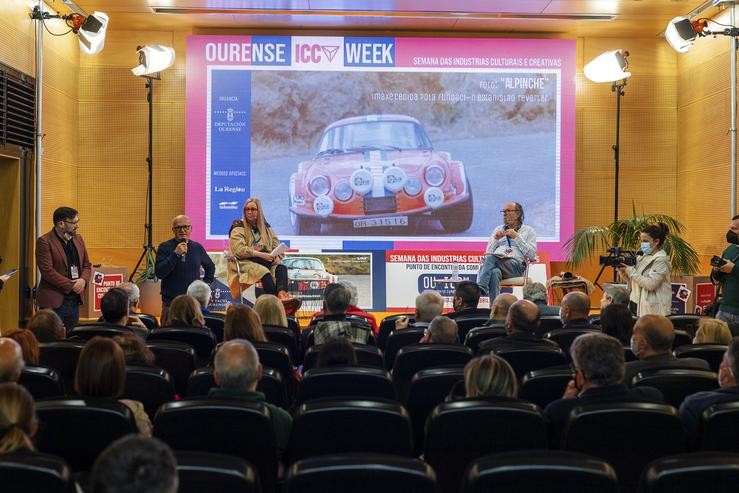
[645,247]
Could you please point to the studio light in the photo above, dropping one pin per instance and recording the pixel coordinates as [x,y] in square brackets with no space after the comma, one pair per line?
[681,33]
[89,29]
[608,67]
[153,59]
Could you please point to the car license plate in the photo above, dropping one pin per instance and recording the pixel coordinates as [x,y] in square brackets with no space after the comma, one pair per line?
[375,222]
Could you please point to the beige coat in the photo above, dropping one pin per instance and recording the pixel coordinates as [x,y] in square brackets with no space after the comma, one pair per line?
[243,245]
[650,284]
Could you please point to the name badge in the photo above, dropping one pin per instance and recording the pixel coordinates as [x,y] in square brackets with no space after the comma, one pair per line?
[74,272]
[509,252]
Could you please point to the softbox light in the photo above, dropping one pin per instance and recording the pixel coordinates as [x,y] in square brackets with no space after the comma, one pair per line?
[92,33]
[608,67]
[153,59]
[681,34]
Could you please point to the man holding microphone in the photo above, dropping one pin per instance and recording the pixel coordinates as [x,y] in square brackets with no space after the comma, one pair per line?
[511,246]
[178,262]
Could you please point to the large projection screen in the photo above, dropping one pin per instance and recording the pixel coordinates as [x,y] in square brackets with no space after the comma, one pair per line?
[369,143]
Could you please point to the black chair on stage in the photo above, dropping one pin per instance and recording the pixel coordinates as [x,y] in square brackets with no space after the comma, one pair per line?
[42,382]
[479,334]
[200,338]
[388,325]
[360,473]
[243,429]
[61,356]
[657,427]
[428,389]
[177,358]
[687,473]
[66,424]
[711,353]
[150,385]
[367,355]
[676,383]
[544,386]
[460,432]
[719,429]
[346,382]
[271,384]
[25,472]
[207,471]
[149,320]
[525,360]
[416,357]
[214,321]
[398,340]
[553,471]
[333,426]
[87,332]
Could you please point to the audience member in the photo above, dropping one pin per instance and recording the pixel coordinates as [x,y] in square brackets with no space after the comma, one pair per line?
[237,373]
[184,311]
[441,330]
[536,293]
[598,362]
[521,323]
[490,376]
[271,311]
[101,373]
[353,308]
[135,464]
[242,322]
[336,301]
[499,311]
[134,293]
[574,312]
[47,326]
[429,305]
[652,344]
[712,331]
[337,351]
[18,423]
[11,360]
[617,320]
[691,410]
[28,343]
[201,292]
[613,294]
[135,350]
[114,307]
[466,298]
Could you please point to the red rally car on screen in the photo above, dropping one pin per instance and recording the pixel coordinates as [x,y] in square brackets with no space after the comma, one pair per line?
[378,171]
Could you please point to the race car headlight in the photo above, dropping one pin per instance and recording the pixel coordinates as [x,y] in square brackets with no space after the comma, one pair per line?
[434,175]
[319,185]
[361,181]
[343,191]
[394,178]
[412,186]
[433,197]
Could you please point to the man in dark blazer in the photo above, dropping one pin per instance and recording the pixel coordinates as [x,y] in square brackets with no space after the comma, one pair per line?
[521,323]
[61,257]
[651,342]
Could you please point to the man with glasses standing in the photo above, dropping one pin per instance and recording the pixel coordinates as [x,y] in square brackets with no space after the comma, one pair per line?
[61,257]
[511,246]
[179,261]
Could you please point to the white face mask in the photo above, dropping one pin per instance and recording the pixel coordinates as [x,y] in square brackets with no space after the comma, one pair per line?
[646,247]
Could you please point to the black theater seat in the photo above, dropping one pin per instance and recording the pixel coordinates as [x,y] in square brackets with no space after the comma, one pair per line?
[207,471]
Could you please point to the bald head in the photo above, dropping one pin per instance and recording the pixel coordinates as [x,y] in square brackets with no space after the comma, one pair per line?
[180,219]
[575,305]
[237,366]
[501,304]
[11,360]
[653,334]
[523,316]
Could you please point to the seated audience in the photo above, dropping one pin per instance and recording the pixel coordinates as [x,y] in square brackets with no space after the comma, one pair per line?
[465,301]
[28,343]
[429,305]
[18,423]
[47,326]
[616,320]
[271,311]
[114,307]
[490,376]
[652,344]
[11,360]
[135,350]
[441,330]
[337,351]
[201,292]
[184,311]
[499,311]
[242,322]
[574,312]
[614,294]
[237,373]
[353,308]
[336,301]
[521,324]
[134,293]
[712,331]
[691,410]
[137,464]
[598,361]
[536,292]
[101,373]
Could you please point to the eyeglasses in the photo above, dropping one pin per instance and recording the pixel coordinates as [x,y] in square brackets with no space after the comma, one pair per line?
[182,228]
[508,211]
[251,209]
[71,222]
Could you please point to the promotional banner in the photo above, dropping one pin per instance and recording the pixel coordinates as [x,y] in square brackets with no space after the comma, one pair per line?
[362,143]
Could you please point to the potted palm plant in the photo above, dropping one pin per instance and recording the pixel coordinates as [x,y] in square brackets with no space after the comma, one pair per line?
[624,233]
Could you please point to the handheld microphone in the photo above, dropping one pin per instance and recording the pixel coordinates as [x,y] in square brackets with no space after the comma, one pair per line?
[182,258]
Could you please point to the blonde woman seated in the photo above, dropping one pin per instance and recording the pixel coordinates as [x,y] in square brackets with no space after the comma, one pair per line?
[184,311]
[490,377]
[18,423]
[271,311]
[712,331]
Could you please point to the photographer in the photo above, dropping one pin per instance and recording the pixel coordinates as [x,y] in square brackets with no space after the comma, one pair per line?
[728,310]
[649,281]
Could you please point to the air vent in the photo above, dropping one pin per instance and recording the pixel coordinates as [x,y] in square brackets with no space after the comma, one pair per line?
[17,107]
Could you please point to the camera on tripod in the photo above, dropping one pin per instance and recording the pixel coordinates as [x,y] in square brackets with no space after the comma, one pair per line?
[717,261]
[616,257]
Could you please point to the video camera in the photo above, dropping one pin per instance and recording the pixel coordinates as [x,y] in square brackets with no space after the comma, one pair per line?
[616,257]
[717,261]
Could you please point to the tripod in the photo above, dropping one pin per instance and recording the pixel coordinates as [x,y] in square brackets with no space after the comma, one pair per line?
[149,252]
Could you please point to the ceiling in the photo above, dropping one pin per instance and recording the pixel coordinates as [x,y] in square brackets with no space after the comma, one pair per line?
[549,18]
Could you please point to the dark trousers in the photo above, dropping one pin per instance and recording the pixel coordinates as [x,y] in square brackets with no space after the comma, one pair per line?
[274,286]
[69,312]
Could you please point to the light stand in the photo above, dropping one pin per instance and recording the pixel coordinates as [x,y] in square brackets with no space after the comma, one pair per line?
[618,88]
